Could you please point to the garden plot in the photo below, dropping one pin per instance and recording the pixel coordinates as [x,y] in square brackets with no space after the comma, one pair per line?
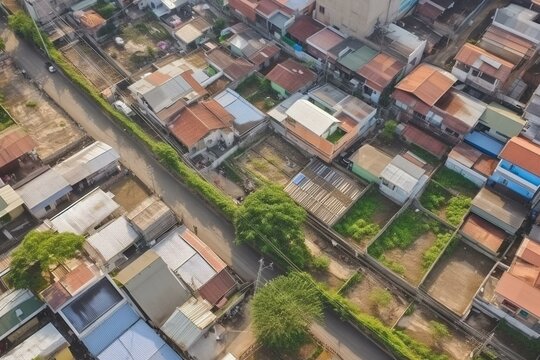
[455,183]
[53,131]
[457,276]
[257,90]
[144,41]
[441,202]
[340,266]
[370,296]
[366,217]
[92,65]
[411,244]
[421,325]
[272,160]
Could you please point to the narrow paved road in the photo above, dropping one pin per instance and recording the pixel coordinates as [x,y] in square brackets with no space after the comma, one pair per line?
[213,229]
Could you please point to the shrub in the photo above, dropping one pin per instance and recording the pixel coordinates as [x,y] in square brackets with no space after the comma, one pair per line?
[388,133]
[380,298]
[356,223]
[320,263]
[31,103]
[431,254]
[457,208]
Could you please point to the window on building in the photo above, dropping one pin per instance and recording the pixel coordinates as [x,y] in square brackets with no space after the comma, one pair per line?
[48,208]
[490,79]
[388,184]
[367,90]
[502,135]
[523,314]
[451,132]
[507,304]
[463,67]
[419,116]
[321,9]
[401,105]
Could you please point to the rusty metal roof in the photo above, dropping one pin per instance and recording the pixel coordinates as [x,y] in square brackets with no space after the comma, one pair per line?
[14,143]
[428,83]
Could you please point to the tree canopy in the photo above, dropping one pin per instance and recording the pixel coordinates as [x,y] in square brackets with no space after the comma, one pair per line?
[2,45]
[37,252]
[23,25]
[270,215]
[284,309]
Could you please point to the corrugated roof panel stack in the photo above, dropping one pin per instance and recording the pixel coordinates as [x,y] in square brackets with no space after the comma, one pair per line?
[152,218]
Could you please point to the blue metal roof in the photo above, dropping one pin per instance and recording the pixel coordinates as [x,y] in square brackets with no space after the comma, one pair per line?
[484,143]
[107,332]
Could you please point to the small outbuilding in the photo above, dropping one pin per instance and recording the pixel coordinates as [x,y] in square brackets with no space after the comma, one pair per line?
[369,162]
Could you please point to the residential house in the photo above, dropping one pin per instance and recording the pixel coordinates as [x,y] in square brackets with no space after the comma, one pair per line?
[471,163]
[278,114]
[192,33]
[165,92]
[43,193]
[11,204]
[46,343]
[360,18]
[403,178]
[517,292]
[203,125]
[322,42]
[155,289]
[426,97]
[85,215]
[507,45]
[499,210]
[189,323]
[417,137]
[368,162]
[18,311]
[483,235]
[246,116]
[234,68]
[246,42]
[112,244]
[433,9]
[164,7]
[152,218]
[351,60]
[321,134]
[480,69]
[289,77]
[519,168]
[90,22]
[95,162]
[500,123]
[14,145]
[195,263]
[519,21]
[532,115]
[378,75]
[302,29]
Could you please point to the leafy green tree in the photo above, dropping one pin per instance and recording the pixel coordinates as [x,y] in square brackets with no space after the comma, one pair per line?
[283,310]
[37,253]
[23,25]
[219,24]
[269,218]
[389,131]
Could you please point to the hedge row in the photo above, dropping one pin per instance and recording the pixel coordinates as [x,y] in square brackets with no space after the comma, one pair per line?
[21,24]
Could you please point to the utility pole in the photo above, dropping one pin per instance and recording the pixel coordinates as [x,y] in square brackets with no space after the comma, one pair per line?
[262,267]
[27,3]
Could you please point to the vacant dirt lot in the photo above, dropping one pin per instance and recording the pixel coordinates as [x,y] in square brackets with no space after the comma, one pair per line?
[273,160]
[129,192]
[417,325]
[54,133]
[361,294]
[457,276]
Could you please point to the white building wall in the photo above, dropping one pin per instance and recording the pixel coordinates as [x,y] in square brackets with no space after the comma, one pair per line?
[477,178]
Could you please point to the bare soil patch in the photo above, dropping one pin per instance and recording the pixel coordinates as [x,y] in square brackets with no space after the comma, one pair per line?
[129,192]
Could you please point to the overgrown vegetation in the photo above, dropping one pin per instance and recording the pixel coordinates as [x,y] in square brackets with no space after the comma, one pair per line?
[380,299]
[37,253]
[23,26]
[432,254]
[320,263]
[283,310]
[5,120]
[424,155]
[439,332]
[388,133]
[105,9]
[456,182]
[357,222]
[272,222]
[355,279]
[457,208]
[437,199]
[258,91]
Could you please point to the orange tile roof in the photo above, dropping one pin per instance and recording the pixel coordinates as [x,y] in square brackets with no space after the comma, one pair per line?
[14,143]
[480,59]
[529,251]
[380,71]
[428,83]
[519,292]
[196,121]
[523,153]
[291,75]
[91,19]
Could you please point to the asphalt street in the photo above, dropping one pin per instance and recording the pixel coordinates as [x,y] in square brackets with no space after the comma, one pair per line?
[212,228]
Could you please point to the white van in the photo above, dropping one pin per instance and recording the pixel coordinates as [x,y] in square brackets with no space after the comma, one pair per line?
[121,106]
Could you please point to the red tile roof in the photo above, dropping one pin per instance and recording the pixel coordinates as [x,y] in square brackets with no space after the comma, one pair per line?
[196,121]
[523,153]
[303,27]
[14,143]
[217,287]
[267,7]
[413,135]
[380,71]
[428,83]
[291,76]
[529,250]
[484,61]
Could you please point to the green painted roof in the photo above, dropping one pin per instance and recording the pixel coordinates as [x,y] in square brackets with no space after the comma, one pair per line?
[358,58]
[502,120]
[17,299]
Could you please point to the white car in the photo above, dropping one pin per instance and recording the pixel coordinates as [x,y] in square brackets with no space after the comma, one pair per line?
[121,106]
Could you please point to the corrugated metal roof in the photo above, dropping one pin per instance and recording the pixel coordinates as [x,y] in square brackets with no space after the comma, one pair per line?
[134,268]
[208,255]
[139,342]
[9,200]
[187,323]
[173,249]
[42,344]
[428,83]
[311,117]
[506,210]
[86,162]
[113,238]
[109,330]
[14,143]
[22,300]
[85,214]
[371,159]
[217,287]
[246,116]
[43,187]
[196,271]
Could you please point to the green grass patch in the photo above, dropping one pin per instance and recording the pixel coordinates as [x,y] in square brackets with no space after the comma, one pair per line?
[336,135]
[424,155]
[441,202]
[432,254]
[358,221]
[5,120]
[351,282]
[456,182]
[457,208]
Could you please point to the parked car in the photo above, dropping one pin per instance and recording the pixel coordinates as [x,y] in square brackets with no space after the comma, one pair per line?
[50,67]
[121,106]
